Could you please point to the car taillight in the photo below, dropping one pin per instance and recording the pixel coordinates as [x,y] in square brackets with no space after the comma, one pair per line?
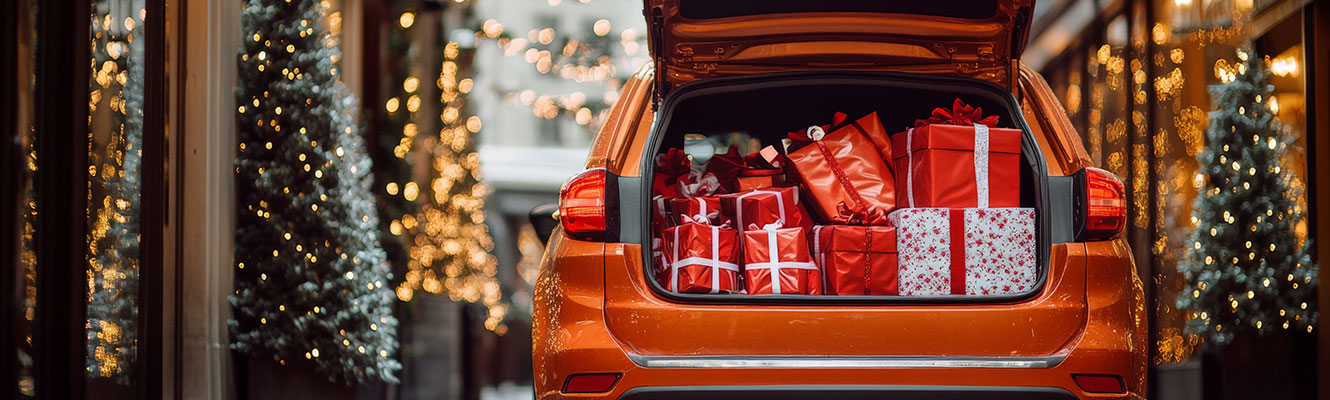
[1101,205]
[584,204]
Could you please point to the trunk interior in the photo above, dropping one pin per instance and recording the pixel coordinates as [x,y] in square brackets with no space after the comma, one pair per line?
[753,112]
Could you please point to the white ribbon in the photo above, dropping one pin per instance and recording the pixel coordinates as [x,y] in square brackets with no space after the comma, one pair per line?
[714,262]
[980,165]
[775,265]
[704,184]
[780,204]
[909,166]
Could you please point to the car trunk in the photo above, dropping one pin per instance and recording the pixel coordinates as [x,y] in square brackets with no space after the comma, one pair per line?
[766,107]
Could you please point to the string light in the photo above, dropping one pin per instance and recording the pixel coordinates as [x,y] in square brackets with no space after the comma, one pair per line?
[448,240]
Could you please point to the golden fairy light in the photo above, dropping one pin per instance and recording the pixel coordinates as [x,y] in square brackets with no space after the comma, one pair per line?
[449,242]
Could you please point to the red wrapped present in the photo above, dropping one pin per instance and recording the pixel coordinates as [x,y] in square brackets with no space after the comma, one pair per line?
[696,199]
[765,206]
[776,261]
[950,159]
[702,258]
[660,265]
[856,260]
[726,168]
[843,166]
[751,179]
[871,127]
[972,251]
[660,214]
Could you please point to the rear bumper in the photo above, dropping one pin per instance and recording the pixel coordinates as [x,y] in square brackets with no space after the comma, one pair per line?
[700,378]
[904,392]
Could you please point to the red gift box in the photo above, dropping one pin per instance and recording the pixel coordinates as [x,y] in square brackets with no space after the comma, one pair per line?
[660,214]
[843,166]
[972,251]
[754,179]
[696,200]
[856,260]
[952,159]
[776,261]
[702,258]
[766,206]
[704,209]
[660,265]
[871,127]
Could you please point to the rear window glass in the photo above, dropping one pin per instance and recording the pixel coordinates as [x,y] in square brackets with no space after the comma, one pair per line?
[709,9]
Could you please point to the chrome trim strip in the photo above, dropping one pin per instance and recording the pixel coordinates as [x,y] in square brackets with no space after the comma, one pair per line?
[844,362]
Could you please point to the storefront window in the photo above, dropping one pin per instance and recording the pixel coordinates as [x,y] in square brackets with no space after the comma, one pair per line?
[25,132]
[1138,87]
[115,128]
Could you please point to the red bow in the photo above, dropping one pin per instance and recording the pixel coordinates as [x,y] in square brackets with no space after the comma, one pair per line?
[863,215]
[670,166]
[801,137]
[960,114]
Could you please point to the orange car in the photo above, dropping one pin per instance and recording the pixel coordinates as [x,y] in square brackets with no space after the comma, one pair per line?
[604,328]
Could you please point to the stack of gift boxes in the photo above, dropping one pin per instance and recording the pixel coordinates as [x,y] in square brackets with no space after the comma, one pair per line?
[848,209]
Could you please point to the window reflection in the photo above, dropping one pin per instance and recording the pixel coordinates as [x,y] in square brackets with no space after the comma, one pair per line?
[116,133]
[27,207]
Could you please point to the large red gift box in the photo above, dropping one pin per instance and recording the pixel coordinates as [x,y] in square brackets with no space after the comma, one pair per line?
[702,258]
[856,260]
[766,206]
[843,166]
[971,251]
[776,261]
[956,160]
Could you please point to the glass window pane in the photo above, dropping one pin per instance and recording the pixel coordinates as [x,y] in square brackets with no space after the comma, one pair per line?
[116,134]
[23,129]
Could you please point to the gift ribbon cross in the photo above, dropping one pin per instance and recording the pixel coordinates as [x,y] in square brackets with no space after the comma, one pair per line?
[775,264]
[714,262]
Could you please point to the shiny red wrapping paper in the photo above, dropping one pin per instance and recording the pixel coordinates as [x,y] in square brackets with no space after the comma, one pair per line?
[766,206]
[936,164]
[856,260]
[843,166]
[702,259]
[871,127]
[755,179]
[776,261]
[705,206]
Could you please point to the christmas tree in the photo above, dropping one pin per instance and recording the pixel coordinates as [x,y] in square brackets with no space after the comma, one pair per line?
[312,280]
[1248,270]
[113,245]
